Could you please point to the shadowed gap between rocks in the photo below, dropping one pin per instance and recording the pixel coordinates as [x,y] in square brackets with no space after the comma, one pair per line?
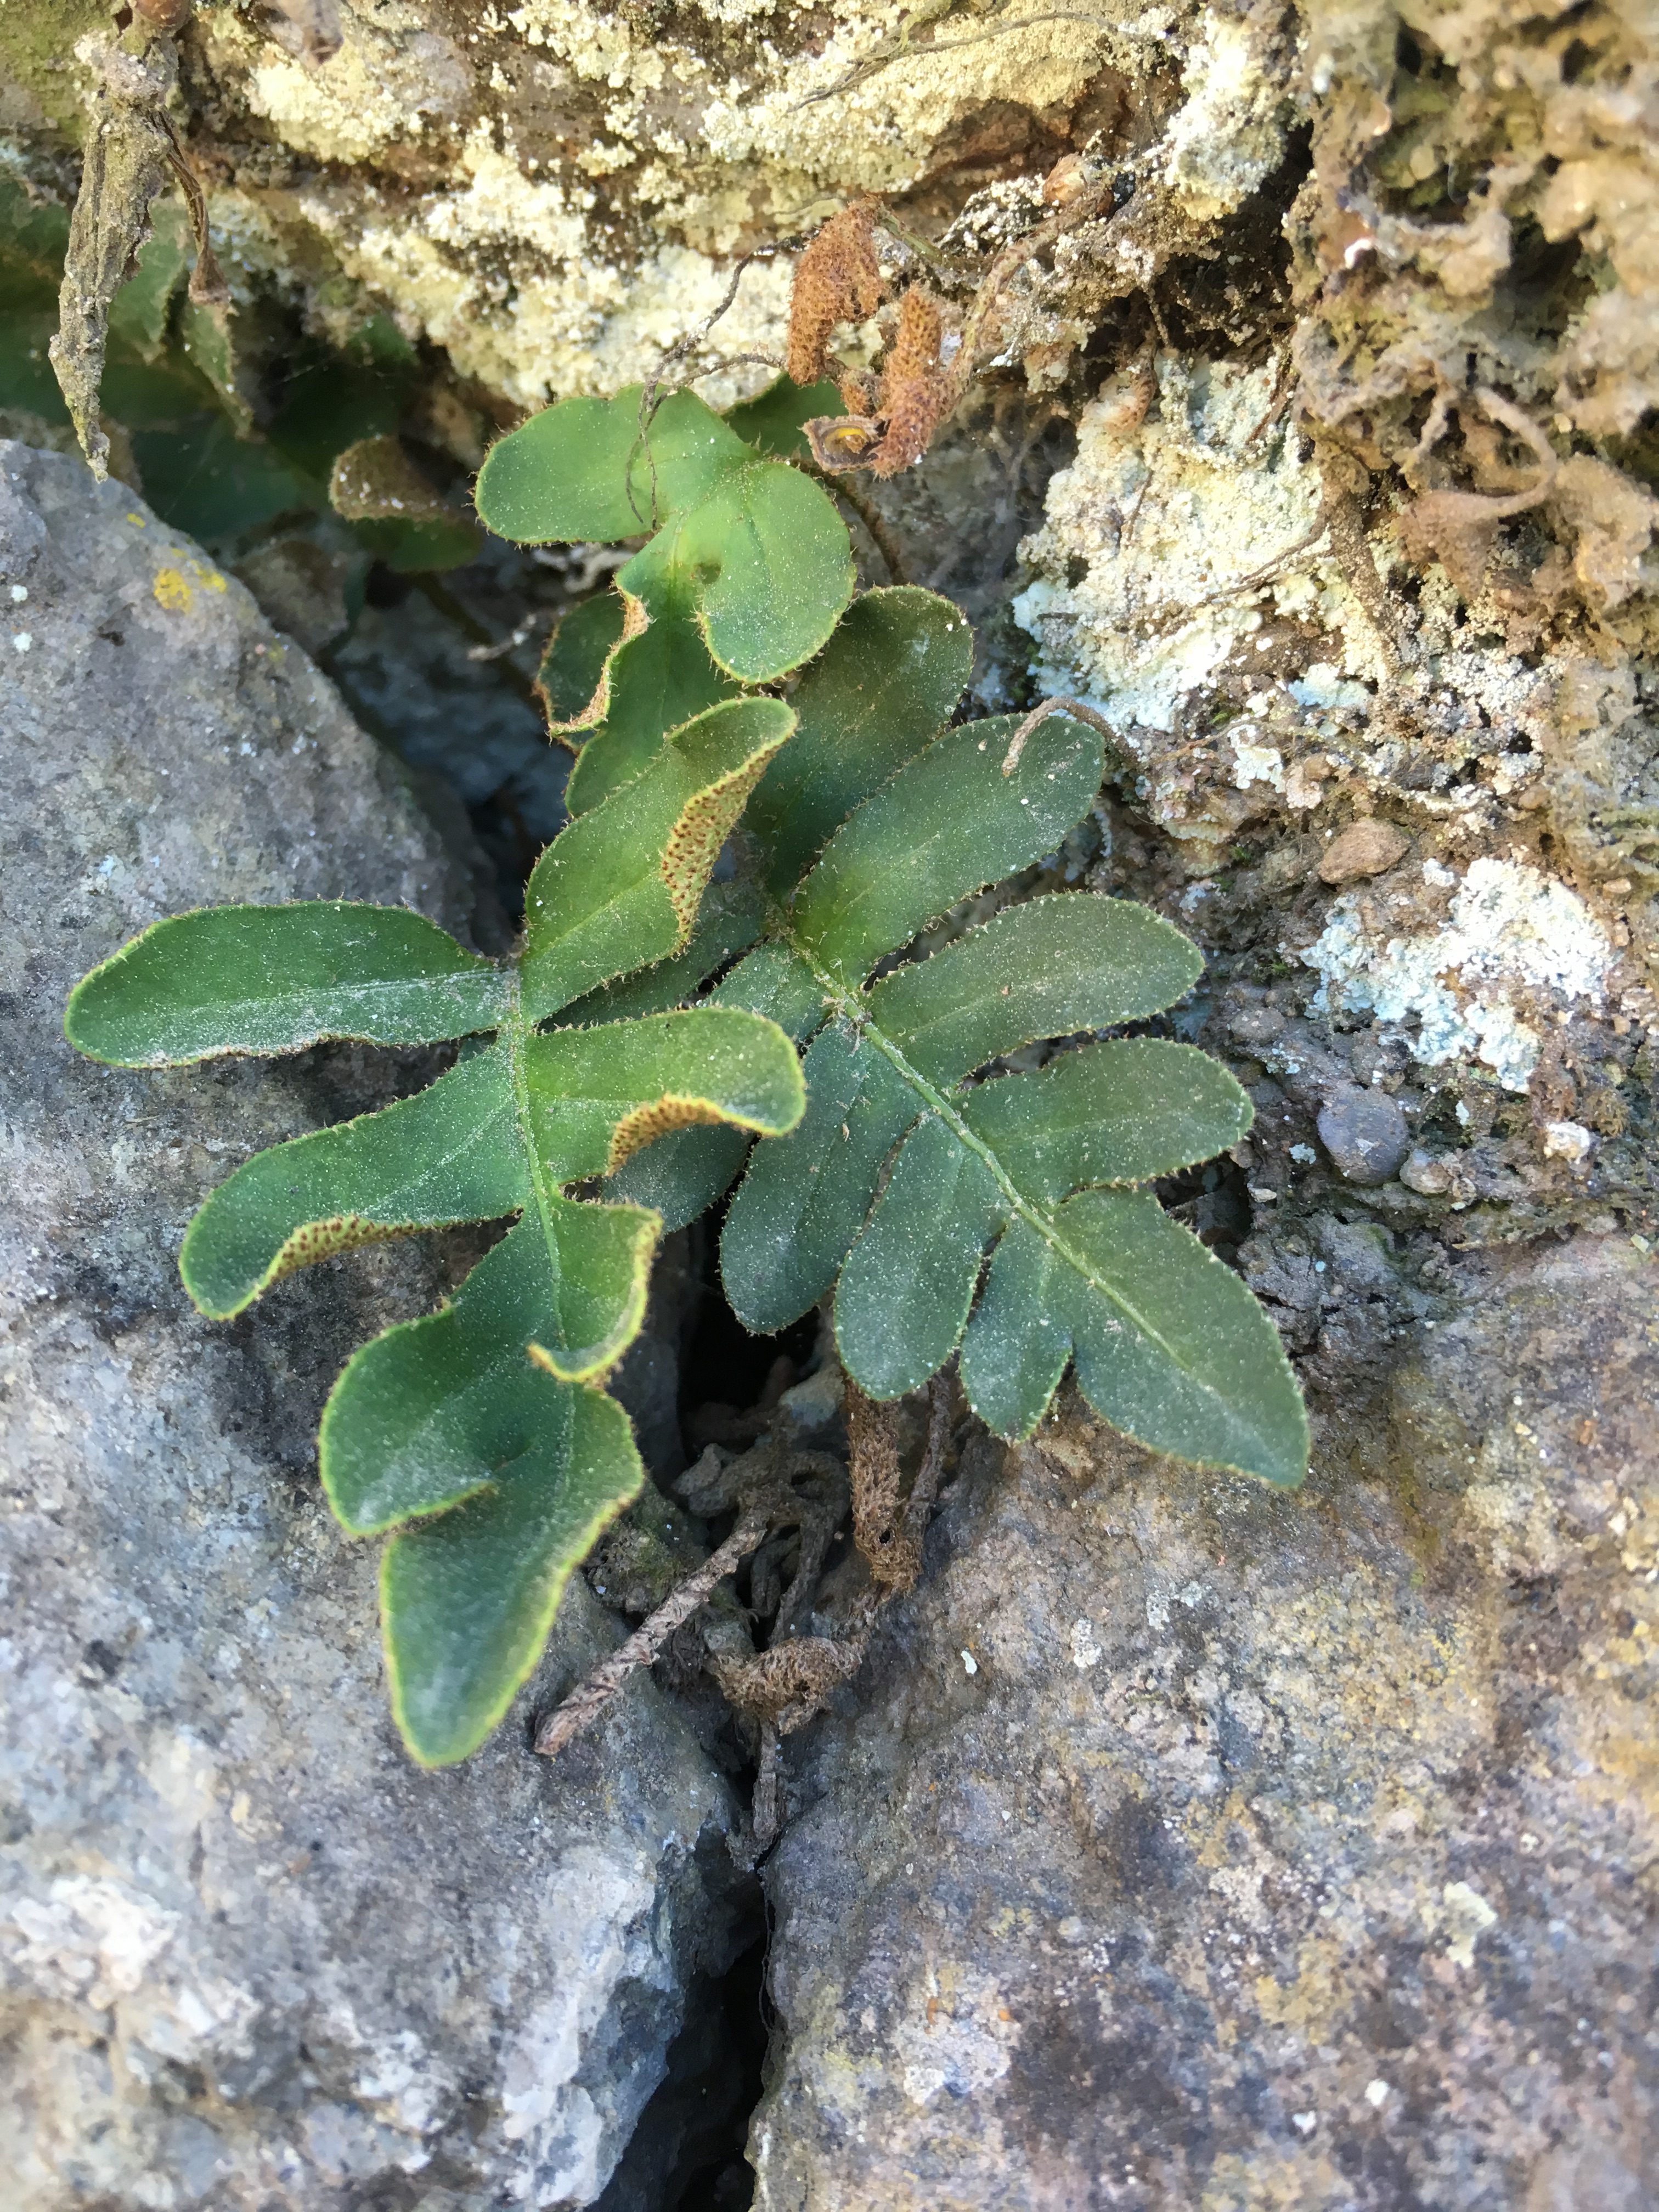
[687,2150]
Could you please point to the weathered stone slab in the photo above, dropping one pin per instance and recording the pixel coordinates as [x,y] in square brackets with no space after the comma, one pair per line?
[1186,1848]
[249,1956]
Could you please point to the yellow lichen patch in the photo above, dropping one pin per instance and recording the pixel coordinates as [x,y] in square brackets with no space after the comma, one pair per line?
[1211,1851]
[1465,1916]
[176,590]
[694,845]
[646,1123]
[1291,2180]
[321,1240]
[378,90]
[1319,1997]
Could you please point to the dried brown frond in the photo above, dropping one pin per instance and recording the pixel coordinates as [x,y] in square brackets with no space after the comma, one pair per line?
[790,1502]
[780,1689]
[916,389]
[837,280]
[129,146]
[786,1684]
[879,1521]
[1460,528]
[591,1696]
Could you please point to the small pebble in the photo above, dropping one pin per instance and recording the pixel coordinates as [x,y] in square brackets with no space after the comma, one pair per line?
[1363,849]
[1568,1140]
[1365,1134]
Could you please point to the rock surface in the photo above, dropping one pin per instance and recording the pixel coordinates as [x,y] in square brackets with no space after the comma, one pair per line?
[1184,1847]
[249,1957]
[554,191]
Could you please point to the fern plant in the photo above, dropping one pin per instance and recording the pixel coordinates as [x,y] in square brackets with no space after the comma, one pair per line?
[480,1438]
[648,1031]
[906,1170]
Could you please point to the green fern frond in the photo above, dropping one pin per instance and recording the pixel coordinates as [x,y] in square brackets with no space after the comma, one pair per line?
[480,1439]
[916,1164]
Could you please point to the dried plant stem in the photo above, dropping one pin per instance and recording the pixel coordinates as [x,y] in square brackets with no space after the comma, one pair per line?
[590,1697]
[925,251]
[1075,707]
[207,284]
[683,347]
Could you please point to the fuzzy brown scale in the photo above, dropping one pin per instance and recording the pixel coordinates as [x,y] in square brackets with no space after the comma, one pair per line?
[635,622]
[917,389]
[785,1684]
[878,1516]
[323,1240]
[837,280]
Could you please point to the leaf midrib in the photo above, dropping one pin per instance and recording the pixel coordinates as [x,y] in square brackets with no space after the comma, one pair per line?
[515,1033]
[349,991]
[851,1005]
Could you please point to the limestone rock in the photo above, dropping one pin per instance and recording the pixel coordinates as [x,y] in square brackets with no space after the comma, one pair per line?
[1186,1845]
[480,171]
[249,1956]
